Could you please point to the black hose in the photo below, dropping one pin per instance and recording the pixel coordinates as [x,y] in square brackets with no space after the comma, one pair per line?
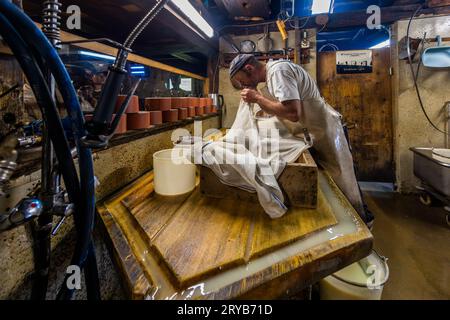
[47,105]
[91,275]
[414,75]
[84,216]
[57,135]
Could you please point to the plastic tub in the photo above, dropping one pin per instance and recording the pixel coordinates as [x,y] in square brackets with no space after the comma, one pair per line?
[173,173]
[352,283]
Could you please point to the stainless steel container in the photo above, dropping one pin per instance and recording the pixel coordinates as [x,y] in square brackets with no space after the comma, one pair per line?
[217,100]
[432,171]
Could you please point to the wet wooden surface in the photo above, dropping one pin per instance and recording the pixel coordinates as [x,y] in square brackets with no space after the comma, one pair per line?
[165,247]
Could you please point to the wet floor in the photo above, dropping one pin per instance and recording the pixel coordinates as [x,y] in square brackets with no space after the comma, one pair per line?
[416,239]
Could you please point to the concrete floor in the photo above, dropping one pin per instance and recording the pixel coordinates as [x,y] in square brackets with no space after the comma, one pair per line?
[416,239]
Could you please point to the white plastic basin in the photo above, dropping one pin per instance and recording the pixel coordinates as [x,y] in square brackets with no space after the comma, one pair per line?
[363,280]
[173,173]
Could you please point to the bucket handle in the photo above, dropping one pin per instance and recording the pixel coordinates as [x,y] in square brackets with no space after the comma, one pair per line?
[386,278]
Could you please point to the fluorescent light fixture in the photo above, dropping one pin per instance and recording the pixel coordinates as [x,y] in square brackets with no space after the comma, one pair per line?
[383,44]
[137,67]
[321,6]
[137,72]
[186,7]
[96,55]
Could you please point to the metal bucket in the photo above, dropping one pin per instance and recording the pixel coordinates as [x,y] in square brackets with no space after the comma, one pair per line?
[432,171]
[362,280]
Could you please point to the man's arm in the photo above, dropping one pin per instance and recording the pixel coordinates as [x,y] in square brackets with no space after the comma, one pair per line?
[286,109]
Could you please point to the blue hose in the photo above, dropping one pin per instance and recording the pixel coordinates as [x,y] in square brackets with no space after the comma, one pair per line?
[38,42]
[47,105]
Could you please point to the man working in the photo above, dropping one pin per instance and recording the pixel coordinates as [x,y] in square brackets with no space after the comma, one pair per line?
[293,97]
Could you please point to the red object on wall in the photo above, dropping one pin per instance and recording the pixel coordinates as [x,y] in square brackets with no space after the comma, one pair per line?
[122,127]
[199,111]
[195,102]
[139,120]
[183,113]
[158,104]
[203,102]
[155,117]
[208,109]
[191,112]
[170,115]
[133,106]
[180,102]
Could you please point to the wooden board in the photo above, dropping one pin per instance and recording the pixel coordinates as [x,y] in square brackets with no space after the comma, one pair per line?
[365,102]
[155,211]
[197,236]
[298,182]
[206,238]
[272,234]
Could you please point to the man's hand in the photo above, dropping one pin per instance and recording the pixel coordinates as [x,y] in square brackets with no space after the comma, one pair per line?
[250,95]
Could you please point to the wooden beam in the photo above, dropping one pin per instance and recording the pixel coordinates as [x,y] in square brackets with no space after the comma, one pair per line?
[438,3]
[105,49]
[185,57]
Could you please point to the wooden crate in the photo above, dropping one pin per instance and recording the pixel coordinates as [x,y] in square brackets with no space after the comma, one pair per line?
[298,183]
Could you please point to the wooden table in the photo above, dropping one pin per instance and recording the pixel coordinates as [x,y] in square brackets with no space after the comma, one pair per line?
[195,247]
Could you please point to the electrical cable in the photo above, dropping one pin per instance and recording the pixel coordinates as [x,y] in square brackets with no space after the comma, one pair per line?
[335,47]
[408,49]
[300,27]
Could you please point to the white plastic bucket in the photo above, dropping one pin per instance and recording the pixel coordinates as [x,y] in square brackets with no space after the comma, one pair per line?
[173,173]
[353,283]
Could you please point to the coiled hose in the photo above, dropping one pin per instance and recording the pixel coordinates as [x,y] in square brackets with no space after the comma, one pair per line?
[55,130]
[84,218]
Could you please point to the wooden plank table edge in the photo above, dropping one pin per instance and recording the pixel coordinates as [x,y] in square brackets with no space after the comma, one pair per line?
[136,289]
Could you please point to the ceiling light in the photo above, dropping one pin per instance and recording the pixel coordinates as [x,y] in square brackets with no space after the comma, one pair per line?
[186,7]
[96,55]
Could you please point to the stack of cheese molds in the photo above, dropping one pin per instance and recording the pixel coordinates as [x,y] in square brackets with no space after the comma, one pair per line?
[164,106]
[134,118]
